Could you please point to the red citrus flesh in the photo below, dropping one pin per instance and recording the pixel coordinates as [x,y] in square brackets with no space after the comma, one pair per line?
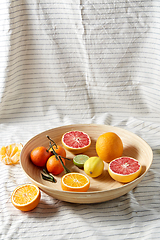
[124,169]
[76,141]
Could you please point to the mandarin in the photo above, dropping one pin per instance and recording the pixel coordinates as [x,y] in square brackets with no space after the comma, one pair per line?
[40,155]
[54,165]
[59,150]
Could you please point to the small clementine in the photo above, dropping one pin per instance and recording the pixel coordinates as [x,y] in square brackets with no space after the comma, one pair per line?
[59,150]
[40,155]
[54,165]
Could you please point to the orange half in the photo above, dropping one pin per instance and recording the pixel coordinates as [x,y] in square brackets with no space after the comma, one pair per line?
[26,197]
[75,182]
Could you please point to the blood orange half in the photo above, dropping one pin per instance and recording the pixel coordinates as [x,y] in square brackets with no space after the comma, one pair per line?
[76,141]
[124,169]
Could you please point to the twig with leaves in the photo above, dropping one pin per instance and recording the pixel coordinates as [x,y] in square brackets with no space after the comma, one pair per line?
[58,157]
[48,176]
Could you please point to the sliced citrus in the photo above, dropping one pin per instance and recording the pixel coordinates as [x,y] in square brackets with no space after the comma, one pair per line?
[11,153]
[124,169]
[94,166]
[79,160]
[26,197]
[75,182]
[109,146]
[76,141]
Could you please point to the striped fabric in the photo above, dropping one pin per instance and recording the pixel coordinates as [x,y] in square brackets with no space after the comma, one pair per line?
[65,62]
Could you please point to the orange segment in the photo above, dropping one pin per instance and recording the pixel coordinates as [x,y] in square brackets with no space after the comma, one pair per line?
[75,182]
[26,197]
[11,153]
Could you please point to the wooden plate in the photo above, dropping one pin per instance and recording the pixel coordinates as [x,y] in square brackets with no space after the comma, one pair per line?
[101,189]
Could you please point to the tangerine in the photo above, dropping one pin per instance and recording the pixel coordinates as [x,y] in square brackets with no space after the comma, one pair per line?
[59,150]
[109,146]
[54,165]
[40,155]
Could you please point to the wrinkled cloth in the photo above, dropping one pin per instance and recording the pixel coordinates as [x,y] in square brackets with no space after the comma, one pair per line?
[70,62]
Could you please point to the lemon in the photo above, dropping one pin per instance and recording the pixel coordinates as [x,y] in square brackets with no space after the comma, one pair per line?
[94,166]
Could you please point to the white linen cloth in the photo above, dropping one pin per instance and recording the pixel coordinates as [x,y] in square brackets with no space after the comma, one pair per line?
[65,62]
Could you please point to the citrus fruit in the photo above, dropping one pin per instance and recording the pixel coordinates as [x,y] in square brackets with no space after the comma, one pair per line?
[79,160]
[109,146]
[39,156]
[75,182]
[76,141]
[94,166]
[26,197]
[124,169]
[59,150]
[54,165]
[11,153]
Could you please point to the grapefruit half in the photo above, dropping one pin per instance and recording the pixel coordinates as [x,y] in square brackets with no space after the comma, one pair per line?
[76,141]
[124,169]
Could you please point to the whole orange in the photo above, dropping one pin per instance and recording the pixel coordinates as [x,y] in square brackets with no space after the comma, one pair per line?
[39,156]
[54,165]
[109,146]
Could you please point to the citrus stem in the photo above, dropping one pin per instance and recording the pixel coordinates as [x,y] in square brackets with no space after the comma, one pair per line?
[54,144]
[58,157]
[51,145]
[66,170]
